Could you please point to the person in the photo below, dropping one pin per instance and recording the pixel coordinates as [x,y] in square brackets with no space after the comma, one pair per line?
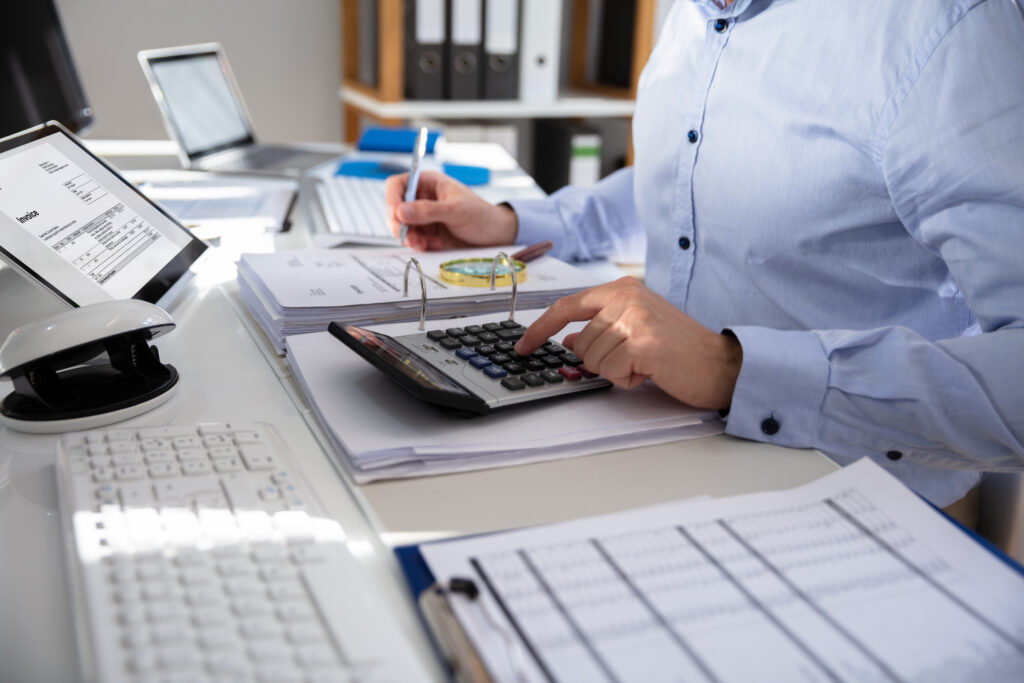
[833,201]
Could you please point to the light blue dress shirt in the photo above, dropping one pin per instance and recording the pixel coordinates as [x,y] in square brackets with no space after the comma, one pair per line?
[841,184]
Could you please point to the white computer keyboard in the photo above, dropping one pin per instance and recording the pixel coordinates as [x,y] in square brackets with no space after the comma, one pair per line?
[197,553]
[355,207]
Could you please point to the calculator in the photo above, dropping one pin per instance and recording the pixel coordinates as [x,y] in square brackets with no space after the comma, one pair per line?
[472,368]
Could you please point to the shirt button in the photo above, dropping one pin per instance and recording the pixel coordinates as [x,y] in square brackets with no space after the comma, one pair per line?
[770,426]
[684,243]
[721,25]
[692,136]
[894,455]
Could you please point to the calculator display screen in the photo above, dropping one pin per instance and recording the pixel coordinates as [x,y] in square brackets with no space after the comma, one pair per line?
[403,360]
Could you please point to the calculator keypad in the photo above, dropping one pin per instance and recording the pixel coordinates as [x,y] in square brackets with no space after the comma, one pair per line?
[490,348]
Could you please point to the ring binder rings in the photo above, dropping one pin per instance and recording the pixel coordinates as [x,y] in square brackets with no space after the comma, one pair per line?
[464,52]
[425,49]
[501,49]
[423,290]
[515,286]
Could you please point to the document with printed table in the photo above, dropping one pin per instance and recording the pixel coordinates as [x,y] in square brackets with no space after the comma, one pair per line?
[852,577]
[296,292]
[378,431]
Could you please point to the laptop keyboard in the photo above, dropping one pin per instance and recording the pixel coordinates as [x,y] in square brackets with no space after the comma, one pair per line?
[272,157]
[354,206]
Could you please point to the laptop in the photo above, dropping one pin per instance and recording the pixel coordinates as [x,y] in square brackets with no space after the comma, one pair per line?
[203,110]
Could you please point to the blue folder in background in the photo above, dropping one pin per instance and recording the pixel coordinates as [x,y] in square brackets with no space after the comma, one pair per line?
[394,140]
[380,170]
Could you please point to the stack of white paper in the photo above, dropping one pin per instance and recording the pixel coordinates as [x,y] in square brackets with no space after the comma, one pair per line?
[297,292]
[379,431]
[848,578]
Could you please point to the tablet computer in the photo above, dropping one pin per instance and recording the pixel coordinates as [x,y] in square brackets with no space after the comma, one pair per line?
[74,226]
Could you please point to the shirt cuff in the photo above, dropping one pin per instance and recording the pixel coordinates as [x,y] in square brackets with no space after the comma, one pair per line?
[781,387]
[539,220]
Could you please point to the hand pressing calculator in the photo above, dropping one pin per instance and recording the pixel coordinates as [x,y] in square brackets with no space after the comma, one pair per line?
[472,368]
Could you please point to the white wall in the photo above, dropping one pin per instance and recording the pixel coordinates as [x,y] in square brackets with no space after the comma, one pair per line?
[285,55]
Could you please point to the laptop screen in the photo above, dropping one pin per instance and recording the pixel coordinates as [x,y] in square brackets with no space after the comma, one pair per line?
[76,227]
[200,103]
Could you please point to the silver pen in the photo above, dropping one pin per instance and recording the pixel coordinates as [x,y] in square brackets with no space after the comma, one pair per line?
[419,148]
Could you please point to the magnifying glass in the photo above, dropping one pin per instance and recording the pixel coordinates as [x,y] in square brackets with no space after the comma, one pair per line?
[476,272]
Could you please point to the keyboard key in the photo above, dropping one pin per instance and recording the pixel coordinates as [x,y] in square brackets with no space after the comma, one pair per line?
[155,444]
[551,376]
[222,451]
[137,495]
[509,324]
[128,472]
[500,358]
[226,663]
[450,343]
[491,327]
[474,329]
[479,362]
[281,674]
[511,334]
[551,361]
[248,437]
[259,629]
[191,441]
[316,656]
[230,464]
[163,470]
[570,373]
[257,457]
[532,380]
[535,365]
[505,346]
[455,332]
[495,372]
[570,359]
[436,335]
[486,349]
[212,440]
[469,339]
[465,353]
[119,459]
[196,467]
[514,368]
[488,337]
[553,348]
[513,383]
[295,612]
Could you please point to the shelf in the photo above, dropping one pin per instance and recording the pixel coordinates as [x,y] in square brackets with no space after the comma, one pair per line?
[570,106]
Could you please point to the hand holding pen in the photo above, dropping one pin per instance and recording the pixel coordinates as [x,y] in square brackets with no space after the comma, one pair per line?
[445,214]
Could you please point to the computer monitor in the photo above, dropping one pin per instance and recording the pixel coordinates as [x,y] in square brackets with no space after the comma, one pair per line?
[38,79]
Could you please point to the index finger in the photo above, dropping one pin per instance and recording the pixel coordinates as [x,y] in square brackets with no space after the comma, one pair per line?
[580,306]
[394,191]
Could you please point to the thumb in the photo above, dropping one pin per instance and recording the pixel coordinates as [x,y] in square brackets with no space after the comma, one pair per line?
[425,211]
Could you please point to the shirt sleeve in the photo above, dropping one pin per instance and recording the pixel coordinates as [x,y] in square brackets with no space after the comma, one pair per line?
[952,152]
[585,223]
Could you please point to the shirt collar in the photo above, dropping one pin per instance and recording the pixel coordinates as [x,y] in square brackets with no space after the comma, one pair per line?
[711,8]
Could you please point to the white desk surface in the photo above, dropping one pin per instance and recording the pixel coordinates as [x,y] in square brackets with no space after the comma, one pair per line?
[225,376]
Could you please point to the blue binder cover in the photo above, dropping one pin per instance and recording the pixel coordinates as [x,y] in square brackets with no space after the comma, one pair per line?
[394,140]
[377,170]
[414,567]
